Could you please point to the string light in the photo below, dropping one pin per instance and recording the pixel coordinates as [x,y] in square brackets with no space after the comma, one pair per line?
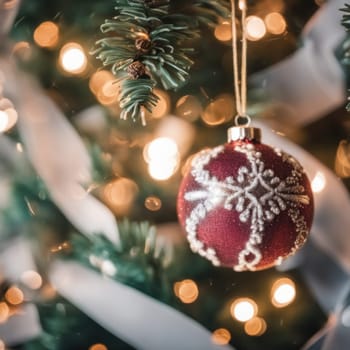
[275,23]
[31,279]
[162,107]
[189,108]
[153,203]
[223,31]
[46,34]
[187,291]
[14,296]
[283,292]
[162,156]
[98,347]
[4,312]
[219,111]
[8,115]
[72,58]
[22,50]
[255,327]
[243,309]
[120,194]
[318,183]
[221,336]
[256,29]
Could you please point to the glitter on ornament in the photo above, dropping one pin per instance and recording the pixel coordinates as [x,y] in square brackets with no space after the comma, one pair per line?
[245,205]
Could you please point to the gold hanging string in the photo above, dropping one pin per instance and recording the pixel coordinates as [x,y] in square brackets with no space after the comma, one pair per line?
[240,82]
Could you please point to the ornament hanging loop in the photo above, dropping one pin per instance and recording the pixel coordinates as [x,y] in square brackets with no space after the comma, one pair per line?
[240,83]
[242,120]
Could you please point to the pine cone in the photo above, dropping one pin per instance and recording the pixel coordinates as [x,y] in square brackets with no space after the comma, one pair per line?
[143,45]
[136,70]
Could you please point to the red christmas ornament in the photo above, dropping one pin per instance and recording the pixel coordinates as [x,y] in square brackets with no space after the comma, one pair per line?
[244,204]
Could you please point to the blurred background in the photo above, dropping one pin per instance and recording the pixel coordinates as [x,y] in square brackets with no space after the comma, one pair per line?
[72,169]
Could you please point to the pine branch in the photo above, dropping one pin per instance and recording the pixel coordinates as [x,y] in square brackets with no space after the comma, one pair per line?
[137,261]
[146,45]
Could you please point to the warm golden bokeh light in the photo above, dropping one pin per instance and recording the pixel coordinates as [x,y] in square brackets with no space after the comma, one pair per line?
[105,87]
[244,309]
[8,115]
[22,50]
[256,29]
[283,292]
[189,108]
[153,203]
[14,296]
[4,121]
[219,111]
[223,31]
[162,107]
[31,279]
[187,291]
[72,58]
[162,156]
[221,336]
[275,23]
[98,347]
[120,194]
[342,159]
[318,183]
[4,312]
[255,327]
[46,34]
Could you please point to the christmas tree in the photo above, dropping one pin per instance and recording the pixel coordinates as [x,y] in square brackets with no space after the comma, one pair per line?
[103,105]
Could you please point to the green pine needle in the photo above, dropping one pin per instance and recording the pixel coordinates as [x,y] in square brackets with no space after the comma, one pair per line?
[137,261]
[166,61]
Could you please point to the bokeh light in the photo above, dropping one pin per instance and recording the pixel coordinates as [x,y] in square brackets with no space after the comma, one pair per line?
[72,58]
[283,292]
[162,156]
[46,34]
[8,115]
[31,279]
[223,31]
[22,50]
[120,194]
[162,107]
[220,110]
[153,203]
[98,347]
[4,312]
[318,183]
[255,327]
[14,296]
[105,87]
[221,336]
[256,29]
[244,309]
[275,23]
[189,108]
[342,159]
[187,291]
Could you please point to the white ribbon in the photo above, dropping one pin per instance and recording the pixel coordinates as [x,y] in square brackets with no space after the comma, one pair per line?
[330,229]
[58,155]
[24,325]
[310,83]
[134,317]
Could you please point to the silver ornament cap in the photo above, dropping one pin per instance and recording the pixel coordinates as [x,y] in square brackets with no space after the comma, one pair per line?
[249,133]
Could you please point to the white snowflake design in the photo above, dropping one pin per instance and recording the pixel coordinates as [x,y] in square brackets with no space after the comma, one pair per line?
[256,193]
